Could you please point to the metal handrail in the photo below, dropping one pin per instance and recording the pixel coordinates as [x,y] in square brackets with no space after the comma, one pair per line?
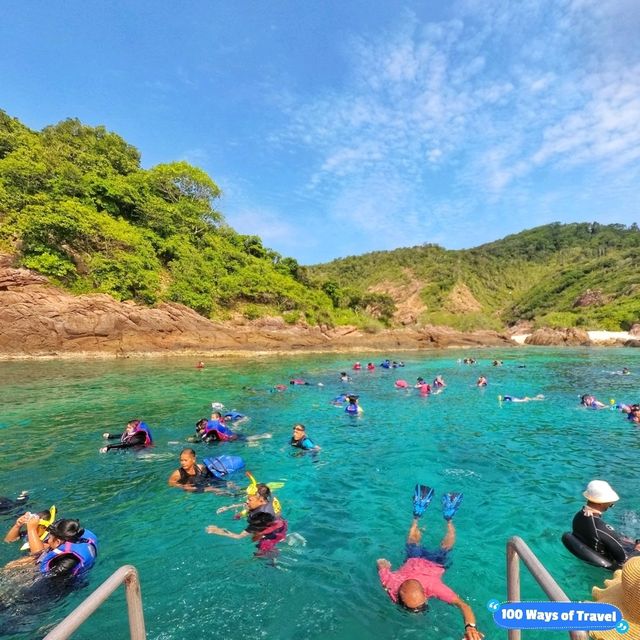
[517,549]
[126,574]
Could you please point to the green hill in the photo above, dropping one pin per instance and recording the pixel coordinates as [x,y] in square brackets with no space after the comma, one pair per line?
[582,274]
[76,206]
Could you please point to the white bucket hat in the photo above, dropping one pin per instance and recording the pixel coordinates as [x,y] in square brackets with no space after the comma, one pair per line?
[600,492]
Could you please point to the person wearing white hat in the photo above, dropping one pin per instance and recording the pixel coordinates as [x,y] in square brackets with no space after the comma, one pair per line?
[623,591]
[590,528]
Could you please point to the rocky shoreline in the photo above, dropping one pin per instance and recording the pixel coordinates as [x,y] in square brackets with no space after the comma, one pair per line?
[38,320]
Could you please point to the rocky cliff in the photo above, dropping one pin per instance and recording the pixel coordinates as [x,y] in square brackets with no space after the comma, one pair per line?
[37,319]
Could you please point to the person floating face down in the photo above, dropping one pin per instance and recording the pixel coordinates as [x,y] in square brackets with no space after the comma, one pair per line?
[420,577]
[300,439]
[263,524]
[590,528]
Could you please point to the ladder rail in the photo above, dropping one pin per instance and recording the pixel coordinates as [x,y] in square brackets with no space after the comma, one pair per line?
[127,575]
[517,549]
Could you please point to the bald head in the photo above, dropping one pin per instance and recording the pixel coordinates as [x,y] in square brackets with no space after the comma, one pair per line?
[411,595]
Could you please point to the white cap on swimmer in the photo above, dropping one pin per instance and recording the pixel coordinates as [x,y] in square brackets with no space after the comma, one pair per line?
[600,492]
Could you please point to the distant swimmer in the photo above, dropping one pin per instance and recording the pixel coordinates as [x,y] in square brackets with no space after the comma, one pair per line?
[215,430]
[200,365]
[370,366]
[353,407]
[482,382]
[344,377]
[497,363]
[625,371]
[507,398]
[439,382]
[590,402]
[357,366]
[301,440]
[137,434]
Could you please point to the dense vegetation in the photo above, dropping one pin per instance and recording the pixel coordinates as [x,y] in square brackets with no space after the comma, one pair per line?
[585,275]
[76,205]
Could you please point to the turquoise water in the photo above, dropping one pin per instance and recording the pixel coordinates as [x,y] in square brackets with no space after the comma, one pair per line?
[522,468]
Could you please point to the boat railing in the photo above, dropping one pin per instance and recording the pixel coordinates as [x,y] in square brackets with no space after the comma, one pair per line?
[126,574]
[517,549]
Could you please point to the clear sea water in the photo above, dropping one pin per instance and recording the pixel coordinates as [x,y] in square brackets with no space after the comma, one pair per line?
[522,468]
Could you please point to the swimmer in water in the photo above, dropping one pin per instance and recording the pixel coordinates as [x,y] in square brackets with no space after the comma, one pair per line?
[263,524]
[301,440]
[136,434]
[482,382]
[590,402]
[507,398]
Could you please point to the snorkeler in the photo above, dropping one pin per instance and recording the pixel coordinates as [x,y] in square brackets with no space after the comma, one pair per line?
[192,476]
[18,530]
[353,407]
[482,382]
[68,551]
[215,430]
[263,524]
[508,398]
[137,434]
[590,402]
[300,439]
[420,577]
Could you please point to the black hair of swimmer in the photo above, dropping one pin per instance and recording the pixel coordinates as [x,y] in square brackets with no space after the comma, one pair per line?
[66,529]
[263,491]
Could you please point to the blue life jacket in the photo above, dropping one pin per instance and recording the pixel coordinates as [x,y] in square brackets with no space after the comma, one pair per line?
[223,466]
[351,409]
[233,415]
[85,550]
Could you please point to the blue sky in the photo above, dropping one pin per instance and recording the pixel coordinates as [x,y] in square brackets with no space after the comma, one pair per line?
[340,127]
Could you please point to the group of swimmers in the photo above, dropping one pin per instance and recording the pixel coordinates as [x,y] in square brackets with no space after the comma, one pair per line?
[62,547]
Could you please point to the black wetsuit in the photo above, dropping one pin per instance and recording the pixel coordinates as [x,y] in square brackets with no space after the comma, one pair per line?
[602,537]
[138,439]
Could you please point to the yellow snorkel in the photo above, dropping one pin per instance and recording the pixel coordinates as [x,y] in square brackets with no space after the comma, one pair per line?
[253,488]
[43,523]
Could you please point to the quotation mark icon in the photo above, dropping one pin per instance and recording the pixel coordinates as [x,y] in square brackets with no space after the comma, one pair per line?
[622,626]
[494,605]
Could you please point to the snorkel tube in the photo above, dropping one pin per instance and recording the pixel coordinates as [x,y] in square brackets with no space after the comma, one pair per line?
[43,523]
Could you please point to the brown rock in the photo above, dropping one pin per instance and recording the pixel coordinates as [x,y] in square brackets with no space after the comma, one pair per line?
[559,337]
[635,330]
[41,320]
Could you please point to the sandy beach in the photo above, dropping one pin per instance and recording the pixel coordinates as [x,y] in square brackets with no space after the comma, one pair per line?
[597,337]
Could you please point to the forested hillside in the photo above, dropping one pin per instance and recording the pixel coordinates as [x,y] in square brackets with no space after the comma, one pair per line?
[76,206]
[585,275]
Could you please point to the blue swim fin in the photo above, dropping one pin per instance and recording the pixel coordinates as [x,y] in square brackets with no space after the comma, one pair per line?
[421,498]
[450,503]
